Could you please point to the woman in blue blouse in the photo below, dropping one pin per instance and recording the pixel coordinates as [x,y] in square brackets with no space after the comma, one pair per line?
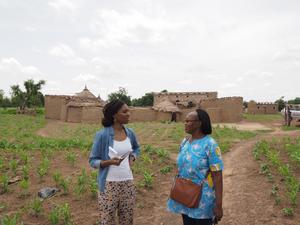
[200,154]
[114,149]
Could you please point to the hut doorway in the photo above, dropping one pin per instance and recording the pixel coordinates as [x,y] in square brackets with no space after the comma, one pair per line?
[173,117]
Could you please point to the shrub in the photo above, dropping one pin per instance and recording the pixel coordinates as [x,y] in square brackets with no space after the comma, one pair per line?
[36,207]
[4,183]
[11,220]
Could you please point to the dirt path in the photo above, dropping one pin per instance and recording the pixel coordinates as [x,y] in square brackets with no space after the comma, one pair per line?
[246,199]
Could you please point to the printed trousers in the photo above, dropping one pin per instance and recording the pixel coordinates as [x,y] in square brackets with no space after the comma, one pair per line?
[117,199]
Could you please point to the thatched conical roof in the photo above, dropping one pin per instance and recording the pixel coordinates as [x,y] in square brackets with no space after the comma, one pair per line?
[166,106]
[84,104]
[85,93]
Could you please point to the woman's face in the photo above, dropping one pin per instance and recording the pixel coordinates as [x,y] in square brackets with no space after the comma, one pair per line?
[122,116]
[192,123]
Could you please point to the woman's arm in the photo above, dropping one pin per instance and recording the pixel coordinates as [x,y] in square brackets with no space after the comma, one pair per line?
[218,184]
[135,146]
[113,161]
[95,155]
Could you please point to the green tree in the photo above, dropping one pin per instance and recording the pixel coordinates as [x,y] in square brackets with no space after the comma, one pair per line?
[121,94]
[1,96]
[17,96]
[294,101]
[33,95]
[280,102]
[30,97]
[146,100]
[164,91]
[6,103]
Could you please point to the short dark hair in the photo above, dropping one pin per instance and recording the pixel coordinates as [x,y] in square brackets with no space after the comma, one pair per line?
[109,110]
[205,121]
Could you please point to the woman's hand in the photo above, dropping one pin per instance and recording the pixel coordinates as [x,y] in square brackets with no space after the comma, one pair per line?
[131,160]
[115,161]
[218,211]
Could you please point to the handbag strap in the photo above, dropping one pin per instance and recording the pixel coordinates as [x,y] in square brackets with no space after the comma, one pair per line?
[177,174]
[183,143]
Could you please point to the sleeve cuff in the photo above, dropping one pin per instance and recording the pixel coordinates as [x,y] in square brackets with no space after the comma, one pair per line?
[134,156]
[216,167]
[96,163]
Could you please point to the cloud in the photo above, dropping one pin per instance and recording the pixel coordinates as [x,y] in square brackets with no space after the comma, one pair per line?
[228,85]
[114,29]
[253,74]
[62,50]
[86,77]
[63,5]
[30,29]
[106,69]
[11,66]
[186,82]
[199,69]
[266,75]
[54,87]
[216,76]
[77,61]
[16,73]
[290,57]
[67,54]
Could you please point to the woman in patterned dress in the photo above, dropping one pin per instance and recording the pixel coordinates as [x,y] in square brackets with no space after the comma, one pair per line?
[114,149]
[200,155]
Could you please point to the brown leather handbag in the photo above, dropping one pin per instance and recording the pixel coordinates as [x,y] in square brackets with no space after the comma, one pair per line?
[186,191]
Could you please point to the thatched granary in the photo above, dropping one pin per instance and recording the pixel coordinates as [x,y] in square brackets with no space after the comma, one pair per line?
[85,93]
[166,106]
[82,107]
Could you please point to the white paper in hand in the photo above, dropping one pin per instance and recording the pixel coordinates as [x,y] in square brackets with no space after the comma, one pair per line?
[126,154]
[113,153]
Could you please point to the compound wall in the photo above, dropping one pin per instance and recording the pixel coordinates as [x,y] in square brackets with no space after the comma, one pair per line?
[175,97]
[226,110]
[53,106]
[220,110]
[262,108]
[74,114]
[146,114]
[91,115]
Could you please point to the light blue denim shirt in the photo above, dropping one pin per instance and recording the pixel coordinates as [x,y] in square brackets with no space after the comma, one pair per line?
[103,139]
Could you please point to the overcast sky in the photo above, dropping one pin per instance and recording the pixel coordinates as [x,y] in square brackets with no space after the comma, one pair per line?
[237,48]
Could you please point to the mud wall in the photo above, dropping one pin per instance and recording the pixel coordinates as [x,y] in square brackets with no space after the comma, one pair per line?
[220,110]
[174,97]
[92,115]
[146,114]
[53,106]
[227,110]
[215,114]
[74,114]
[262,108]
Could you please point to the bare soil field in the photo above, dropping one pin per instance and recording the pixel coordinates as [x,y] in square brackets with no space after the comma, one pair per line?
[247,199]
[244,125]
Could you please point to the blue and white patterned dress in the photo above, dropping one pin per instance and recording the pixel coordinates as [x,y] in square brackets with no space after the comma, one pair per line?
[193,162]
